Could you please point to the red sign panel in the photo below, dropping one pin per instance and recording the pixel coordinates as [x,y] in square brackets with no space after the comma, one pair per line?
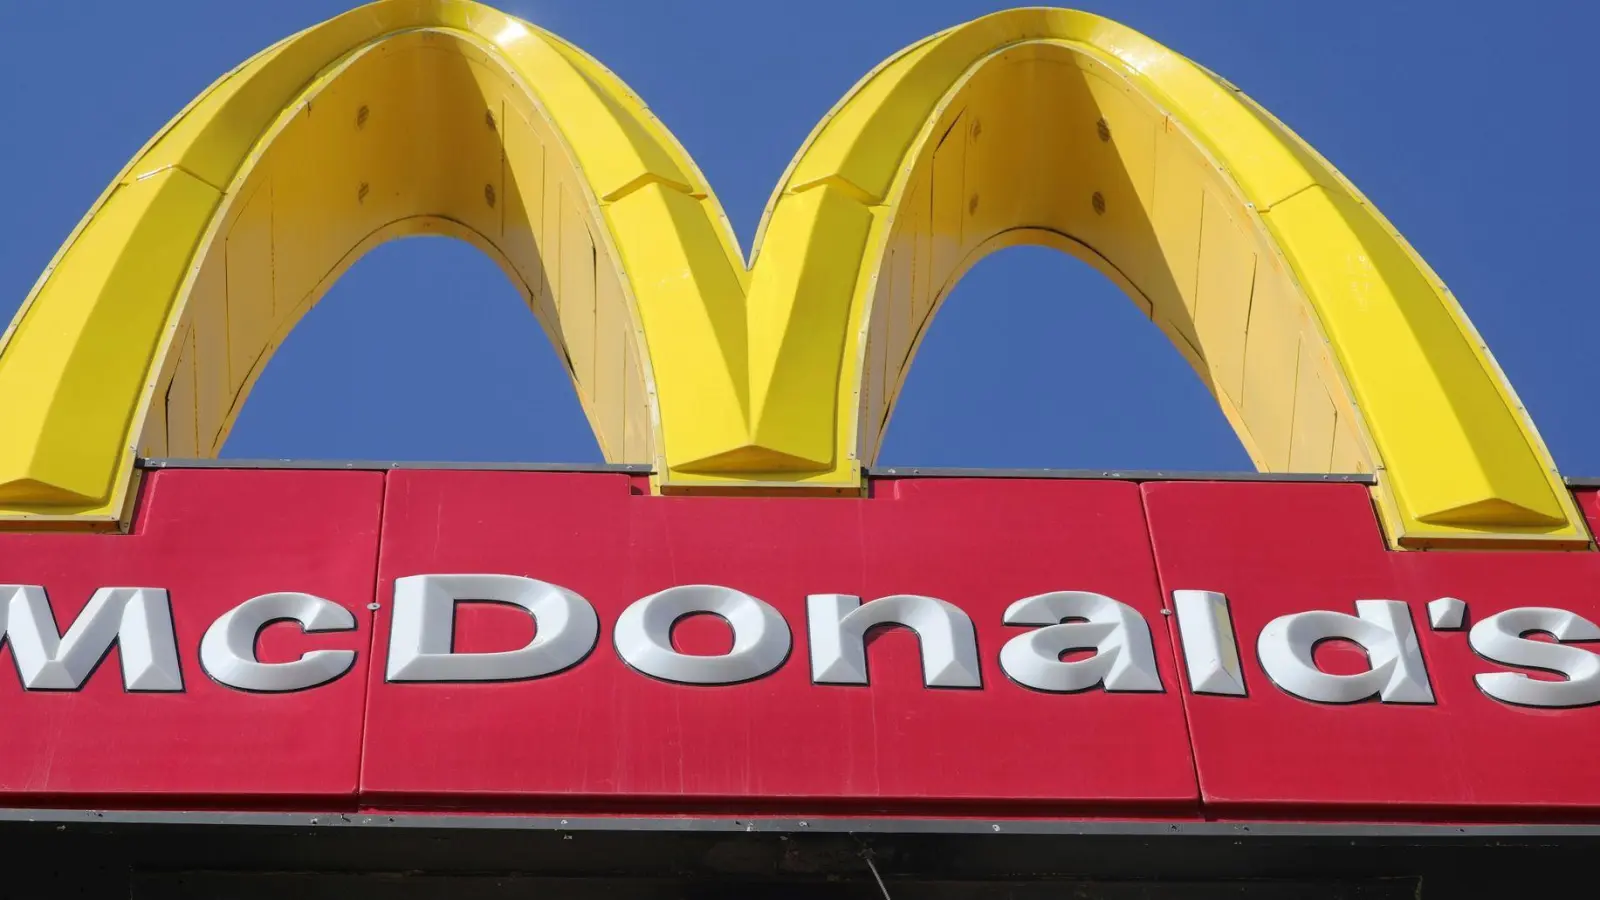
[208,540]
[600,732]
[1278,549]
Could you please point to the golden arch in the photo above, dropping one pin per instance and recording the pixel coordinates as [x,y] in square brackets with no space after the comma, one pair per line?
[1326,340]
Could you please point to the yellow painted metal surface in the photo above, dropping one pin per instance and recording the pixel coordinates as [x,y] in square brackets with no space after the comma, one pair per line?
[1325,339]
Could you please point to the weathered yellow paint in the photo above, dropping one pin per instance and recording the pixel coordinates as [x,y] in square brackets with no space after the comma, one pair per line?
[1326,340]
[1272,347]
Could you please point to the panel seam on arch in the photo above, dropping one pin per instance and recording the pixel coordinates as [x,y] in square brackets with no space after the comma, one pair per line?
[173,167]
[1287,197]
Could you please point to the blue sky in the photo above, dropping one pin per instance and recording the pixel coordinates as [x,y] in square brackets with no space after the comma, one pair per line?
[1463,121]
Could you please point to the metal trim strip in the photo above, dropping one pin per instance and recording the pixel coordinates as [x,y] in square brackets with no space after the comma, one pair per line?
[825,825]
[385,465]
[1113,474]
[871,472]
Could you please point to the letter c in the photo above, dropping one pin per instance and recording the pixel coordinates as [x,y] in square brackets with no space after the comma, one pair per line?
[228,650]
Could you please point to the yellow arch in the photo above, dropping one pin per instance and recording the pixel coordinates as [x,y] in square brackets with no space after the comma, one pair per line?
[1327,341]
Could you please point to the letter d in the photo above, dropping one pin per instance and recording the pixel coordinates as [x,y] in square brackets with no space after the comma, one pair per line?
[1381,627]
[421,636]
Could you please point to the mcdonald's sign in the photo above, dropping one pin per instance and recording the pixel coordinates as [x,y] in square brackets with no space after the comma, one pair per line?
[699,624]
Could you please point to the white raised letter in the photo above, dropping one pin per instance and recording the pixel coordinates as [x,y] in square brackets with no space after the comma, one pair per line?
[1124,658]
[1500,638]
[421,637]
[1383,629]
[138,620]
[839,623]
[1205,628]
[228,650]
[1446,613]
[644,635]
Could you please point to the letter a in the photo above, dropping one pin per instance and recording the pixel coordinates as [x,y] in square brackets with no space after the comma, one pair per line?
[1124,658]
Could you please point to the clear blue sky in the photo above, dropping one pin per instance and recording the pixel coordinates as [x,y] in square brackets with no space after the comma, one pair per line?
[1465,122]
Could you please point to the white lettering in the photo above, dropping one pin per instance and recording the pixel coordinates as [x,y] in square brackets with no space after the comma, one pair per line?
[421,637]
[761,637]
[1446,614]
[1210,652]
[137,620]
[1124,658]
[228,650]
[838,626]
[1383,629]
[1499,638]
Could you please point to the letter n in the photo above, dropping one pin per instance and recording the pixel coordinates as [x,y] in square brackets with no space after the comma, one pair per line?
[137,620]
[838,626]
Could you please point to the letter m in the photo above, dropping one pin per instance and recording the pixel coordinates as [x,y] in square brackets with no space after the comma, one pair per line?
[137,620]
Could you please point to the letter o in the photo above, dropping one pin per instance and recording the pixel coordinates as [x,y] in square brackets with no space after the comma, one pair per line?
[643,636]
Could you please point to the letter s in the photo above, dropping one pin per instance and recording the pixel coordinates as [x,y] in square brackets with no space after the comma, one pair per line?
[1499,638]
